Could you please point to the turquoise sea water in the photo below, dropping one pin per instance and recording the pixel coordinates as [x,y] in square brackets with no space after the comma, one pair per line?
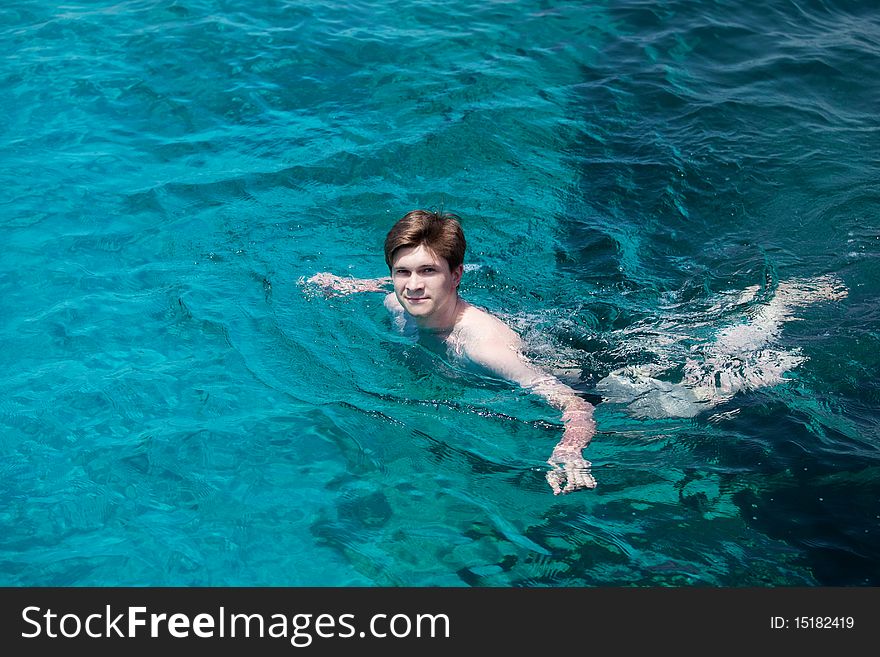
[175,409]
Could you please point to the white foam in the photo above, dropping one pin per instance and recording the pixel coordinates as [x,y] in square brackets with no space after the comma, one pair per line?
[740,357]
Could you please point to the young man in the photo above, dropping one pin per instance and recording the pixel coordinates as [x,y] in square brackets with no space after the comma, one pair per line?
[424,252]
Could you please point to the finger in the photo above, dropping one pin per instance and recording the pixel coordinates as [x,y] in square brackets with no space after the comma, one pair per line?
[579,478]
[553,480]
[587,480]
[573,475]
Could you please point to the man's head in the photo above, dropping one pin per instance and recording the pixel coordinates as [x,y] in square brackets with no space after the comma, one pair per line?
[424,252]
[439,232]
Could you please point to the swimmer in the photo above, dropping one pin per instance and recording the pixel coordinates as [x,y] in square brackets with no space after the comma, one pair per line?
[424,252]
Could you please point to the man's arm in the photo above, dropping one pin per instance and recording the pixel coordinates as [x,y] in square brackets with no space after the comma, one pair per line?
[500,351]
[334,286]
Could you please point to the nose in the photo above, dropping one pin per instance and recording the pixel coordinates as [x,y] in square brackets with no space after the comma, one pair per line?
[415,282]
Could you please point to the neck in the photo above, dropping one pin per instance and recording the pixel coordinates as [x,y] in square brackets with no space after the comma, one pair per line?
[443,321]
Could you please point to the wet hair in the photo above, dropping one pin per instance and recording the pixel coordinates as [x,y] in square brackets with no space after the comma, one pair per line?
[439,231]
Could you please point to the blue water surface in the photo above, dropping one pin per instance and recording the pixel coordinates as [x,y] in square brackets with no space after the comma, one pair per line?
[177,409]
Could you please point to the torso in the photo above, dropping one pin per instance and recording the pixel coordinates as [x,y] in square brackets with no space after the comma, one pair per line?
[473,328]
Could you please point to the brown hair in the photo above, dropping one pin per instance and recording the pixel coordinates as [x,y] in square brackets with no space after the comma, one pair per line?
[439,231]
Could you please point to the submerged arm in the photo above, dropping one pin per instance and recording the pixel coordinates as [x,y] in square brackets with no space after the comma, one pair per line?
[570,470]
[334,285]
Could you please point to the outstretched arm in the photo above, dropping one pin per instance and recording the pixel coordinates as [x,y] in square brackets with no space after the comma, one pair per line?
[571,471]
[334,286]
[503,355]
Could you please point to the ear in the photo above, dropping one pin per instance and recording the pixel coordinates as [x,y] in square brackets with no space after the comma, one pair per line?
[456,275]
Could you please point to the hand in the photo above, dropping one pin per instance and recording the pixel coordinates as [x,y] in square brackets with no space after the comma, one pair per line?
[324,279]
[334,286]
[329,283]
[570,472]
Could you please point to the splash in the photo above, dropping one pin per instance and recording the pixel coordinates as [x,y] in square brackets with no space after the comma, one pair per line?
[740,358]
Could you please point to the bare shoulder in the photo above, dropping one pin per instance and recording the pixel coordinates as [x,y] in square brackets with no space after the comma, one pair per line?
[392,304]
[479,328]
[486,340]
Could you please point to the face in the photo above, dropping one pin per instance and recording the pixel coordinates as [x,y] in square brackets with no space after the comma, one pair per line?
[425,286]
